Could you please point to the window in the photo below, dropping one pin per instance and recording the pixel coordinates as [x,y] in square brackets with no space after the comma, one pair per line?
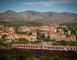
[71,49]
[33,46]
[67,48]
[17,45]
[26,46]
[61,47]
[21,46]
[74,48]
[36,47]
[56,47]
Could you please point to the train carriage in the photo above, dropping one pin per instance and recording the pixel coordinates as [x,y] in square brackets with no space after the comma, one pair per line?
[26,46]
[59,48]
[51,47]
[71,48]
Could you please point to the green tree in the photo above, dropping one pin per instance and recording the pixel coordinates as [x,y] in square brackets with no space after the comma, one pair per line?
[48,38]
[63,42]
[3,36]
[43,37]
[22,41]
[39,35]
[37,42]
[30,33]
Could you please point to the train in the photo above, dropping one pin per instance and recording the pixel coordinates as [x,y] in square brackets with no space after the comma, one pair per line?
[43,47]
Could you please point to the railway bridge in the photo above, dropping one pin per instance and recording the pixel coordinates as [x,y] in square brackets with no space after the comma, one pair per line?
[37,54]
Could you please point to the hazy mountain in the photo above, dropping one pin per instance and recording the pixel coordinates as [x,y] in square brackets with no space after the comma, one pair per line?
[38,16]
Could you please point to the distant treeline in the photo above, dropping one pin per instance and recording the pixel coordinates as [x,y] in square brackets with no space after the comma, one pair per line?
[21,23]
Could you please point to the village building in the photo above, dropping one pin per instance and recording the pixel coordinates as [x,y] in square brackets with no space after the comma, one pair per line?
[17,36]
[10,29]
[24,29]
[70,38]
[1,28]
[44,28]
[0,36]
[30,38]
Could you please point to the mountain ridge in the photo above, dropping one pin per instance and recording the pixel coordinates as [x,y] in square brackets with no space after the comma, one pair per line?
[31,15]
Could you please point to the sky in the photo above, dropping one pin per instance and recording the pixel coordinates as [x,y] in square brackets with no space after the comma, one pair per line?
[39,5]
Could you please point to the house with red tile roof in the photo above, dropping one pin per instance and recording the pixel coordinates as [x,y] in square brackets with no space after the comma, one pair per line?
[10,29]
